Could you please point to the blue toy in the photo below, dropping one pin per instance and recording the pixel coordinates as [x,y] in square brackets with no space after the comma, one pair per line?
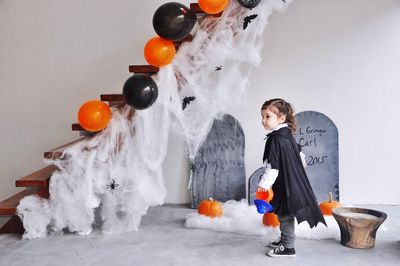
[262,206]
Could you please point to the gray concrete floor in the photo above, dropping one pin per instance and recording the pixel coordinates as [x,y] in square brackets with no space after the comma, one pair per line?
[162,239]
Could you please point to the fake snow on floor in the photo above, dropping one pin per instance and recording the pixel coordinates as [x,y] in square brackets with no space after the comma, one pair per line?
[239,217]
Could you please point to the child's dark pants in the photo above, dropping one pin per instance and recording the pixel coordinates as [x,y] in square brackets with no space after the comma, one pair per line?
[287,230]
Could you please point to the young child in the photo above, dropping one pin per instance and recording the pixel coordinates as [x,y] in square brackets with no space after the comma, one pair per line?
[293,195]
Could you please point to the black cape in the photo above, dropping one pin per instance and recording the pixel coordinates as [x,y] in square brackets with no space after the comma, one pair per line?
[293,194]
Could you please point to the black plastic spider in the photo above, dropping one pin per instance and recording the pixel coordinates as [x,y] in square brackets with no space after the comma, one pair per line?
[186,101]
[247,20]
[112,186]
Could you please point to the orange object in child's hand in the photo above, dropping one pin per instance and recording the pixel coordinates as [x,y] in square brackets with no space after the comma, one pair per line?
[265,195]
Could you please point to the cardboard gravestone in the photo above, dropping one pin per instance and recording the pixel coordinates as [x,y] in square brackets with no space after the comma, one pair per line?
[218,170]
[318,136]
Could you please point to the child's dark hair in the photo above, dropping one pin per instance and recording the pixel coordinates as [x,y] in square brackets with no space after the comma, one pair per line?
[283,108]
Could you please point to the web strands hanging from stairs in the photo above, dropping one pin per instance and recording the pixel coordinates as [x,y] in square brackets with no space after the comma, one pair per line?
[37,183]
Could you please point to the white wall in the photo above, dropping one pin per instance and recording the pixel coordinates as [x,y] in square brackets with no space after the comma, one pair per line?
[341,58]
[337,57]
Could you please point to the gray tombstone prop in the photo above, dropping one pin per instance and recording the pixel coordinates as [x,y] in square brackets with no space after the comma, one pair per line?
[253,184]
[318,137]
[218,170]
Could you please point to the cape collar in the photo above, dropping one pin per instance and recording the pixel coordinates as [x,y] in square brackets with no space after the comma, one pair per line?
[275,130]
[282,130]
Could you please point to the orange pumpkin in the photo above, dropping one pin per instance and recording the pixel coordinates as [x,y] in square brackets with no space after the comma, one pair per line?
[210,208]
[271,219]
[327,206]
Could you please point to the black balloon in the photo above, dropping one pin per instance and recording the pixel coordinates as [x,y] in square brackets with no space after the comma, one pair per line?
[173,21]
[249,3]
[140,91]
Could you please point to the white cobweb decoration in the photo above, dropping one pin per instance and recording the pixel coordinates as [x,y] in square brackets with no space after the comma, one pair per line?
[131,150]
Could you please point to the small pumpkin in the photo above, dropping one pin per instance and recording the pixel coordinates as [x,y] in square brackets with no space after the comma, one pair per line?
[210,208]
[327,206]
[270,219]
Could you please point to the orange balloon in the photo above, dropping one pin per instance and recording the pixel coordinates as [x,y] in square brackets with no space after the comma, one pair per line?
[94,115]
[159,52]
[213,6]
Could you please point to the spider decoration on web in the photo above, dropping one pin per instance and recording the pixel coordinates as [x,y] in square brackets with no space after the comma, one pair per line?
[218,68]
[248,19]
[186,101]
[112,186]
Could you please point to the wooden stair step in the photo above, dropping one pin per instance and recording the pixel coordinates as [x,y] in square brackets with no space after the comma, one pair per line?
[13,226]
[113,97]
[77,127]
[57,153]
[39,178]
[188,38]
[9,206]
[143,69]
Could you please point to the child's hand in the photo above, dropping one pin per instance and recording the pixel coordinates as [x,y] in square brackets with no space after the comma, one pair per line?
[261,189]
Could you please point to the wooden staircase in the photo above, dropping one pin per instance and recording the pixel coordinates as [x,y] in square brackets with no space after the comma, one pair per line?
[37,183]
